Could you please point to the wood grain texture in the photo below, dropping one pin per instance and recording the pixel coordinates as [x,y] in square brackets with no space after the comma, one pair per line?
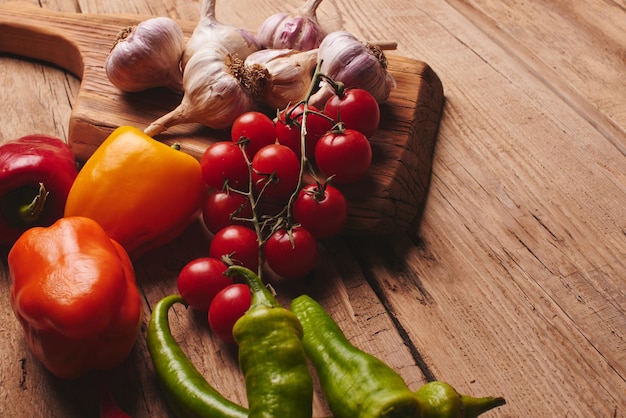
[562,40]
[388,200]
[512,284]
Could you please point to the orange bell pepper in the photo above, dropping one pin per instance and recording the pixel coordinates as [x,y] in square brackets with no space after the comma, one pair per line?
[143,192]
[74,293]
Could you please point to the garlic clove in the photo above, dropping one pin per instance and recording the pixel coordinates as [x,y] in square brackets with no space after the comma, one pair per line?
[214,92]
[299,30]
[356,64]
[147,55]
[288,74]
[238,42]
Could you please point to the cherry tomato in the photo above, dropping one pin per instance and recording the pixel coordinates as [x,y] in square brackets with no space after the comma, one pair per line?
[291,254]
[237,242]
[289,122]
[346,155]
[221,206]
[200,280]
[356,108]
[277,168]
[256,128]
[230,304]
[223,162]
[322,209]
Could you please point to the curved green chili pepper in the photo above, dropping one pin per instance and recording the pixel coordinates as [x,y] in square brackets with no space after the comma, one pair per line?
[185,389]
[355,384]
[271,355]
[441,400]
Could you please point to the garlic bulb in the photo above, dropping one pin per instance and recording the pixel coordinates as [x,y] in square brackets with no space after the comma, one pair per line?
[354,63]
[214,92]
[147,55]
[299,30]
[209,30]
[287,74]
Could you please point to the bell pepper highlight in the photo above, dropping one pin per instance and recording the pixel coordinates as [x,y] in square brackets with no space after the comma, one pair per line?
[143,192]
[36,174]
[74,294]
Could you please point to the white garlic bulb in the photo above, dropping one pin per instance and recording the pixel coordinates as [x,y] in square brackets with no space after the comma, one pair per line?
[299,30]
[287,74]
[239,42]
[354,63]
[147,55]
[214,92]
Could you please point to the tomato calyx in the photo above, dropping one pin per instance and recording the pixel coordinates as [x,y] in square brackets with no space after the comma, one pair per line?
[318,193]
[338,128]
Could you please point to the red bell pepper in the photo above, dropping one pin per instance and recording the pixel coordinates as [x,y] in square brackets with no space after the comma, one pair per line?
[36,173]
[74,293]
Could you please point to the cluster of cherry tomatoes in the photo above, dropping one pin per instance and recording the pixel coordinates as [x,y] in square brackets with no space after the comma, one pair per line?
[266,197]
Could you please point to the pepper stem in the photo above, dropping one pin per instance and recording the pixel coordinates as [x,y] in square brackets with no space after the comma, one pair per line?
[473,407]
[261,296]
[30,213]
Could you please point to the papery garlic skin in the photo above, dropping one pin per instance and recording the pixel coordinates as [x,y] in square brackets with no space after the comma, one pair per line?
[239,42]
[299,30]
[146,56]
[288,75]
[354,63]
[213,96]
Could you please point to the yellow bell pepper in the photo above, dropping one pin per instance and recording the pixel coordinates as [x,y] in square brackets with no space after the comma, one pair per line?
[143,192]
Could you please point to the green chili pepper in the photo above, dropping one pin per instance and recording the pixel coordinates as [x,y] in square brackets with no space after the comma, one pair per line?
[185,389]
[271,355]
[441,400]
[355,383]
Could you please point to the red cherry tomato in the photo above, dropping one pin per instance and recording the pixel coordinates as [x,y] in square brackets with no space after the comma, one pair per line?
[230,304]
[256,128]
[221,206]
[223,162]
[200,280]
[321,209]
[357,109]
[291,254]
[277,169]
[289,122]
[346,155]
[237,242]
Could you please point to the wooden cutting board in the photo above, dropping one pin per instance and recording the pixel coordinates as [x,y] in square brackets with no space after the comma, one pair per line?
[389,199]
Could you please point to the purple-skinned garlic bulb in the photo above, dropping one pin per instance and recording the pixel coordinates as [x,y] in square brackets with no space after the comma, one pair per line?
[356,64]
[147,55]
[299,30]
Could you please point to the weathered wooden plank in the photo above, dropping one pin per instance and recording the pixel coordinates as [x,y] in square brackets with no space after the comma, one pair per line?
[516,257]
[575,48]
[517,285]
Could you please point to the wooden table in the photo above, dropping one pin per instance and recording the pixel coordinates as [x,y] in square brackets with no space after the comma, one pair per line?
[515,283]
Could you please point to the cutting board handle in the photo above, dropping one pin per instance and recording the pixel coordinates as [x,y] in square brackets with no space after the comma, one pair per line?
[71,41]
[41,34]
